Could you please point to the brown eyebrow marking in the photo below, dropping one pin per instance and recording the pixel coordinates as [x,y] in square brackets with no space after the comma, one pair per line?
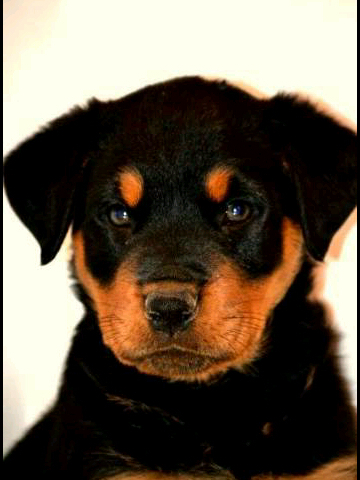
[131,186]
[217,183]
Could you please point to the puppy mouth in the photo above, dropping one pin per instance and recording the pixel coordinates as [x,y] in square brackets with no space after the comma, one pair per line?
[175,362]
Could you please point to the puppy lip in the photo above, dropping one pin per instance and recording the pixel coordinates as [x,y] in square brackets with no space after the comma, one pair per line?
[176,362]
[174,351]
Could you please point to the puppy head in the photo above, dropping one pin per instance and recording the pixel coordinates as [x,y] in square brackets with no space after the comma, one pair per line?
[192,205]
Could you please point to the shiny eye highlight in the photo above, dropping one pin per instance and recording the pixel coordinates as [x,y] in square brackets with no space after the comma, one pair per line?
[119,216]
[237,211]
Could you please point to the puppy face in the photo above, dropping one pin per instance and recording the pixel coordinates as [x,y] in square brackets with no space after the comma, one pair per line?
[182,242]
[192,204]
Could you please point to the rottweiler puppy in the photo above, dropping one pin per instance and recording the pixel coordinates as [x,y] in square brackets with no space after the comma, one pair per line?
[198,213]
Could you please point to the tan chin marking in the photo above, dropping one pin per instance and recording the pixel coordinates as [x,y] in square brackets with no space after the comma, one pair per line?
[181,365]
[131,186]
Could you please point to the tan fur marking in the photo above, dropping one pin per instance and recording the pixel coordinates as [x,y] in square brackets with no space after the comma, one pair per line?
[235,309]
[226,331]
[344,468]
[131,186]
[217,183]
[119,307]
[266,429]
[341,469]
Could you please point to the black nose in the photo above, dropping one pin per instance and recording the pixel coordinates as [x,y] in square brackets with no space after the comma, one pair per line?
[170,312]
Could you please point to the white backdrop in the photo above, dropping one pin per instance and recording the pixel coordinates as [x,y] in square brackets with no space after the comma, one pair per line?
[61,52]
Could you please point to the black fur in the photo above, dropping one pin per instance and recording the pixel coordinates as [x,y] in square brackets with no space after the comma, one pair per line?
[291,161]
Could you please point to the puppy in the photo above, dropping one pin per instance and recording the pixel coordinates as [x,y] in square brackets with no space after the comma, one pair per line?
[198,213]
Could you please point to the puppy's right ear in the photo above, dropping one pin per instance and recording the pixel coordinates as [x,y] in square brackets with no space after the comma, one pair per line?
[42,173]
[320,157]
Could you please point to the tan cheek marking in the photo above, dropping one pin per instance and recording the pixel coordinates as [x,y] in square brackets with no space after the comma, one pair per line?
[131,186]
[341,469]
[275,287]
[234,309]
[119,306]
[217,183]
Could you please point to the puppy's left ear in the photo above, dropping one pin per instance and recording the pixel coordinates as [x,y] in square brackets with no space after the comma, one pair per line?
[321,158]
[43,173]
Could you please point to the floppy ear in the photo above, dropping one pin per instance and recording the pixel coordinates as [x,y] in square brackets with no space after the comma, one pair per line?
[320,156]
[42,173]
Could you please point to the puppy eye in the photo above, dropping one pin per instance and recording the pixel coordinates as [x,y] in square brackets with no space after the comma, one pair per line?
[119,216]
[237,211]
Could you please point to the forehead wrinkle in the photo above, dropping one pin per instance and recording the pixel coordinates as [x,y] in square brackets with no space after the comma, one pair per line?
[131,186]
